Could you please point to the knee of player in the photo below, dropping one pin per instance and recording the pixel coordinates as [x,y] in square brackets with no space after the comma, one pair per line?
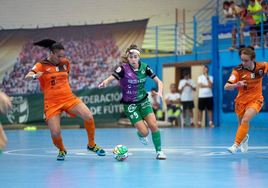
[55,133]
[153,127]
[144,133]
[245,120]
[87,117]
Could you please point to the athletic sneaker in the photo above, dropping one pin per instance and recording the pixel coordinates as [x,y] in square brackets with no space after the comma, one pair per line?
[211,125]
[61,155]
[160,155]
[96,149]
[192,124]
[198,124]
[233,149]
[144,140]
[244,144]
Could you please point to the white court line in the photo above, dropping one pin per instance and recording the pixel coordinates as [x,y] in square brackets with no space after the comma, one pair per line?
[190,151]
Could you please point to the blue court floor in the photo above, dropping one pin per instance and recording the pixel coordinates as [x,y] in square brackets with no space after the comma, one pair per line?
[195,158]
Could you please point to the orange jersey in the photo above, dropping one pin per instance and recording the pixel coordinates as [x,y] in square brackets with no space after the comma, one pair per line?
[54,81]
[253,89]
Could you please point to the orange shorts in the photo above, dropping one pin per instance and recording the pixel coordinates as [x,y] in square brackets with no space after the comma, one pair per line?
[54,107]
[240,108]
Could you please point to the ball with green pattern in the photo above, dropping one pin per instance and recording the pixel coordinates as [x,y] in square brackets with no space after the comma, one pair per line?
[120,152]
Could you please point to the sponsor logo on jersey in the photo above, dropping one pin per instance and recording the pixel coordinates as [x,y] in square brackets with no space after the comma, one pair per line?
[57,69]
[261,72]
[132,107]
[65,67]
[252,75]
[48,69]
[232,77]
[118,70]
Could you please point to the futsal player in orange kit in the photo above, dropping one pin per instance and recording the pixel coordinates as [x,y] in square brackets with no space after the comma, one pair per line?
[52,74]
[247,78]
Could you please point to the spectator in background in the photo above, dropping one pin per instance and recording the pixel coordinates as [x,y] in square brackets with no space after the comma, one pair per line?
[227,10]
[241,14]
[173,101]
[155,103]
[264,8]
[243,24]
[186,88]
[265,23]
[230,17]
[259,1]
[253,8]
[205,98]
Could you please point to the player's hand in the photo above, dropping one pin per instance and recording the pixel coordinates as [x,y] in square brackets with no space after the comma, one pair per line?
[5,103]
[241,83]
[159,94]
[103,85]
[39,74]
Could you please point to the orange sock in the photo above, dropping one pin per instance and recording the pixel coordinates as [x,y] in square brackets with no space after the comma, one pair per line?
[241,133]
[58,143]
[90,128]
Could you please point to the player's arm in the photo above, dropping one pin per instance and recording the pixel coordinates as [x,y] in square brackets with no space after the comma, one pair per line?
[160,87]
[117,74]
[151,74]
[106,82]
[35,73]
[230,86]
[32,75]
[233,81]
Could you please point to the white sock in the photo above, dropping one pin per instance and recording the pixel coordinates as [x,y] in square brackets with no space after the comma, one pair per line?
[191,119]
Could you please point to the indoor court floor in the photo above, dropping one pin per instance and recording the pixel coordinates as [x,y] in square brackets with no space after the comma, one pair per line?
[196,157]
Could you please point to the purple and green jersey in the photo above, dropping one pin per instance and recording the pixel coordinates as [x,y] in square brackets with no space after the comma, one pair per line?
[132,82]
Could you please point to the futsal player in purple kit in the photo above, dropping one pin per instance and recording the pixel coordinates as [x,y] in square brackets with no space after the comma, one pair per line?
[132,76]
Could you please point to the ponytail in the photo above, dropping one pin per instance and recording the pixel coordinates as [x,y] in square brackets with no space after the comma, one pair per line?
[50,44]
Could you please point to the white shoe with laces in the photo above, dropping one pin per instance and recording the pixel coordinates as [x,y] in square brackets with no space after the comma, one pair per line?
[144,140]
[160,155]
[233,149]
[244,144]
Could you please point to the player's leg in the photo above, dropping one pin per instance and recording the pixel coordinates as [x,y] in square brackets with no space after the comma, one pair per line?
[3,139]
[142,131]
[242,132]
[81,110]
[55,131]
[148,116]
[132,111]
[245,114]
[156,135]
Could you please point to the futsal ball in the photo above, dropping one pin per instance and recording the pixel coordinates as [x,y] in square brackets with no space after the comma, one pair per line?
[120,152]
